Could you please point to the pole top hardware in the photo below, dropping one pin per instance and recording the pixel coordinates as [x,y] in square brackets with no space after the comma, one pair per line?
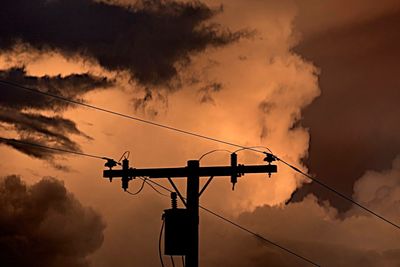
[110,164]
[269,158]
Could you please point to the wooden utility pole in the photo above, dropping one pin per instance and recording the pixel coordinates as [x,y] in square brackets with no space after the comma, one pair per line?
[192,172]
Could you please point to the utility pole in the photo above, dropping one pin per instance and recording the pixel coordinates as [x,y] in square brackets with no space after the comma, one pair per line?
[185,222]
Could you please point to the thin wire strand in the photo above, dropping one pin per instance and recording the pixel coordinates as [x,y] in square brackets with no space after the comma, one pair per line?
[341,194]
[123,156]
[192,134]
[139,190]
[159,243]
[251,147]
[260,236]
[213,151]
[11,140]
[155,189]
[245,229]
[123,115]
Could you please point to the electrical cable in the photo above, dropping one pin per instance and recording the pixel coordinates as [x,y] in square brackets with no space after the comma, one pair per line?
[196,135]
[155,189]
[341,194]
[71,101]
[213,151]
[172,261]
[260,236]
[244,229]
[123,156]
[159,243]
[159,185]
[11,140]
[251,147]
[139,190]
[145,181]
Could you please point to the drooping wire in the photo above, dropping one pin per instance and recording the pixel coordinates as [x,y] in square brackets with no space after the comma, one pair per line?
[213,151]
[159,243]
[124,156]
[251,147]
[139,190]
[243,228]
[155,189]
[192,134]
[15,141]
[286,163]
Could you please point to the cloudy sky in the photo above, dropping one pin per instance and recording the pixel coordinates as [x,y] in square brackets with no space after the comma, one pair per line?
[315,82]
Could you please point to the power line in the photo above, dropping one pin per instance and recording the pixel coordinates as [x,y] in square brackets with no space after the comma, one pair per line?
[139,190]
[7,140]
[159,243]
[213,151]
[155,189]
[342,195]
[260,237]
[15,141]
[241,227]
[196,135]
[71,101]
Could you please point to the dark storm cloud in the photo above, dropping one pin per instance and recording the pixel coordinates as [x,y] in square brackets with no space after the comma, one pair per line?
[71,86]
[19,111]
[44,225]
[354,125]
[148,39]
[35,151]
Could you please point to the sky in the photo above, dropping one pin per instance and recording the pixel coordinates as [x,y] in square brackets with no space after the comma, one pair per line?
[315,82]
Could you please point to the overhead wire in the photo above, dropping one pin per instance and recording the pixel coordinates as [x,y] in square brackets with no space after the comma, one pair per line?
[342,195]
[159,243]
[15,141]
[124,156]
[196,135]
[155,189]
[252,147]
[71,101]
[139,190]
[243,228]
[213,151]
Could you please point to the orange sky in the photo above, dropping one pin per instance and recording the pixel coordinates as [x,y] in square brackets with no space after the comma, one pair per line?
[265,87]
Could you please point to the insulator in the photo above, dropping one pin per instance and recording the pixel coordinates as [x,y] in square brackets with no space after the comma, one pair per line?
[269,158]
[174,202]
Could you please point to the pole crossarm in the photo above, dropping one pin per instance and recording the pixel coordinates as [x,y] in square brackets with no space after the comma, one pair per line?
[185,172]
[192,172]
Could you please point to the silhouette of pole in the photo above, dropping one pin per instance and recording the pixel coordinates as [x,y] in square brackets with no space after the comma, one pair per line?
[192,194]
[192,172]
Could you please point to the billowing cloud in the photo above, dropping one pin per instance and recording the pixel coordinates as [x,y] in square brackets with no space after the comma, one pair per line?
[354,124]
[317,230]
[148,38]
[45,225]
